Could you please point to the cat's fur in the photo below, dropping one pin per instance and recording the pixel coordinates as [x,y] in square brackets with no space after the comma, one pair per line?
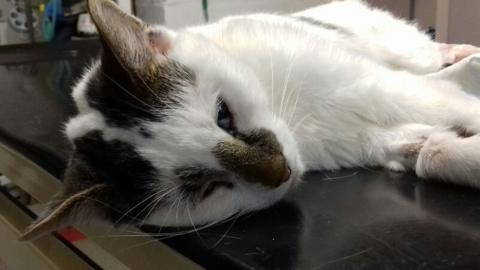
[340,85]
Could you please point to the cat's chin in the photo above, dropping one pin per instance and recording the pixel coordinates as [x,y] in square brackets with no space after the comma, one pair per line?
[220,207]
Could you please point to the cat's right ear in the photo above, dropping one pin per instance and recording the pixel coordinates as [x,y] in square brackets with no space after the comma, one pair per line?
[136,46]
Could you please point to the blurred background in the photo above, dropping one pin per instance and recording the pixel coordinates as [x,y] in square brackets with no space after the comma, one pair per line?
[30,21]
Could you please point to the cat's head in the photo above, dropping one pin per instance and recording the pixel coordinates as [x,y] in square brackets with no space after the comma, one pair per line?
[171,130]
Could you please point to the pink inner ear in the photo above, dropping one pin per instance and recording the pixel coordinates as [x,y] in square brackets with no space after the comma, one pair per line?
[159,42]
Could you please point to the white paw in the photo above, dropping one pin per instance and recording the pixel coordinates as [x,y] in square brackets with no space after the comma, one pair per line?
[395,166]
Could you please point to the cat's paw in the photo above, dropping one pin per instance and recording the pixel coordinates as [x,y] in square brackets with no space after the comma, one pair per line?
[453,53]
[395,166]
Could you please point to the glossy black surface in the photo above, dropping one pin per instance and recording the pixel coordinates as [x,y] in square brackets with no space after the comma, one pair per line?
[350,220]
[35,97]
[353,219]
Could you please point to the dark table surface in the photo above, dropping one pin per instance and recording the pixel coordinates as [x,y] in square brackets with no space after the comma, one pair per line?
[351,219]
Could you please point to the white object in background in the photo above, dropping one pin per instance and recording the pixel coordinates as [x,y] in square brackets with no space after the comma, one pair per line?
[171,13]
[85,25]
[465,73]
[17,17]
[125,5]
[218,9]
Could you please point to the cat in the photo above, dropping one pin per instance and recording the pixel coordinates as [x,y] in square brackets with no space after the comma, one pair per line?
[190,127]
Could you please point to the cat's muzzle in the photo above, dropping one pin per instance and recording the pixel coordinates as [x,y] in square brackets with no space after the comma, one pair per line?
[256,156]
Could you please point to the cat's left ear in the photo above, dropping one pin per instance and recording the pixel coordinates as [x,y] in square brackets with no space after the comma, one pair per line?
[80,200]
[64,210]
[136,46]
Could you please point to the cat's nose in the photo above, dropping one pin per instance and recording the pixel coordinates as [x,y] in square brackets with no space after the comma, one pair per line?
[279,174]
[287,173]
[256,156]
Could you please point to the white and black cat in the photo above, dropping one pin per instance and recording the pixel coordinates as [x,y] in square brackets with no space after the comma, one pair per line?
[188,127]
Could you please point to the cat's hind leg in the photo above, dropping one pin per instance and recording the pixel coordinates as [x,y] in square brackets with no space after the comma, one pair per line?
[450,157]
[448,154]
[380,36]
[384,38]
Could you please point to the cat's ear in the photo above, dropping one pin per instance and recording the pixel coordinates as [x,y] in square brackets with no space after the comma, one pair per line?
[73,205]
[136,46]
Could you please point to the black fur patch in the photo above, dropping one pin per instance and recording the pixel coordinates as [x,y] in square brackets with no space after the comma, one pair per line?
[128,177]
[126,101]
[324,25]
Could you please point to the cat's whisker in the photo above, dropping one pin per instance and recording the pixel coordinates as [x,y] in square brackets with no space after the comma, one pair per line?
[178,207]
[152,205]
[285,85]
[297,91]
[294,109]
[161,236]
[140,108]
[155,203]
[272,84]
[169,211]
[128,92]
[301,122]
[217,222]
[102,203]
[132,95]
[284,108]
[329,178]
[138,245]
[168,214]
[226,232]
[141,234]
[193,223]
[136,205]
[151,90]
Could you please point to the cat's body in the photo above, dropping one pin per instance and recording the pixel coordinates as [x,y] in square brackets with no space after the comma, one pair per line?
[336,86]
[349,81]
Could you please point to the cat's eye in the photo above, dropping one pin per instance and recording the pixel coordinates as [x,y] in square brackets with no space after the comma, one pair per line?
[225,118]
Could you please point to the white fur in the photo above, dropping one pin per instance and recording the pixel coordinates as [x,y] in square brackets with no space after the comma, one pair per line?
[78,92]
[381,36]
[333,100]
